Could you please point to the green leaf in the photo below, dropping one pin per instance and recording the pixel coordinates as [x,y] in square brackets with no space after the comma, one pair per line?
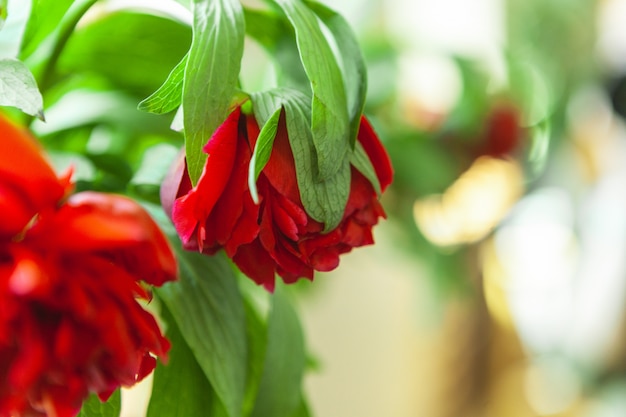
[262,152]
[280,389]
[208,309]
[302,410]
[18,88]
[127,50]
[44,18]
[169,96]
[180,388]
[330,123]
[324,200]
[211,74]
[362,163]
[93,407]
[353,68]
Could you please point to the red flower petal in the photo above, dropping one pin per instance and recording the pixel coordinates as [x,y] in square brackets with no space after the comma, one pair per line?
[254,261]
[376,152]
[26,179]
[114,225]
[191,211]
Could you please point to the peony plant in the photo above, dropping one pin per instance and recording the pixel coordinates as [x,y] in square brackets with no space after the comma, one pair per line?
[178,183]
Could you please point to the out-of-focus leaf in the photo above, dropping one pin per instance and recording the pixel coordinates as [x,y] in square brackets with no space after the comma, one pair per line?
[132,51]
[18,88]
[211,74]
[44,18]
[93,407]
[280,389]
[3,12]
[154,166]
[208,309]
[256,331]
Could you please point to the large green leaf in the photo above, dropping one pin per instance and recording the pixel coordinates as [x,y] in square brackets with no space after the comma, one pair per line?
[324,200]
[18,88]
[353,68]
[44,18]
[211,74]
[330,122]
[280,389]
[93,407]
[180,388]
[207,307]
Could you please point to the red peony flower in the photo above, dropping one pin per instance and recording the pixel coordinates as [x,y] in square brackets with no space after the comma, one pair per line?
[70,273]
[277,235]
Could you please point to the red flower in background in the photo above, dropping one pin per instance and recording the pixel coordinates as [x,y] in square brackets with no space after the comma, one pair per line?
[70,275]
[277,235]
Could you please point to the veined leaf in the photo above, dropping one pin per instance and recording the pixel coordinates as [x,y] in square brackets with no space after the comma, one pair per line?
[211,74]
[354,70]
[324,200]
[18,88]
[180,388]
[93,407]
[208,309]
[330,123]
[169,96]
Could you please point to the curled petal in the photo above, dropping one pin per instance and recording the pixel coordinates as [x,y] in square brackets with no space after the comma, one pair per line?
[114,226]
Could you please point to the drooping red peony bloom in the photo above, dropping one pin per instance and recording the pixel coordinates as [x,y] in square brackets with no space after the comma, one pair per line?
[276,236]
[70,272]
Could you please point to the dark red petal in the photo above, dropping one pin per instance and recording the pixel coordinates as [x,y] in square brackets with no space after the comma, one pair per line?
[325,258]
[376,152]
[254,261]
[235,209]
[280,169]
[246,229]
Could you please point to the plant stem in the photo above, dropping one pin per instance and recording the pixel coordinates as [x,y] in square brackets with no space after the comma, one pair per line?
[67,26]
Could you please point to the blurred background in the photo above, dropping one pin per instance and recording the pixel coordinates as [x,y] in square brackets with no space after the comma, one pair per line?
[498,283]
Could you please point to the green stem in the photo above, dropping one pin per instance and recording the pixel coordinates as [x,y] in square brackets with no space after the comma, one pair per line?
[67,27]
